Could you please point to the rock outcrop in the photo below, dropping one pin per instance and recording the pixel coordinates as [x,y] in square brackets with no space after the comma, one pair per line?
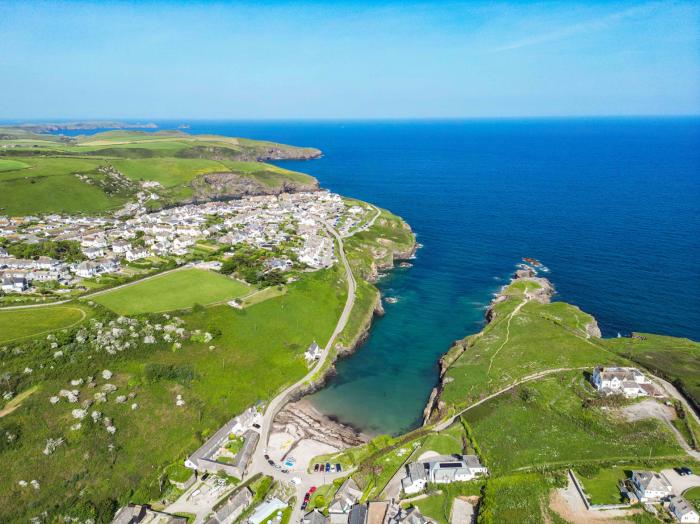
[223,186]
[303,421]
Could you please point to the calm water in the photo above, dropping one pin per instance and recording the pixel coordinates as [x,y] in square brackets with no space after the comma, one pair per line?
[610,206]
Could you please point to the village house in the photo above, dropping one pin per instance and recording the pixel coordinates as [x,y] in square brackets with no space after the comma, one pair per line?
[314,517]
[442,469]
[345,498]
[682,511]
[650,486]
[629,382]
[314,352]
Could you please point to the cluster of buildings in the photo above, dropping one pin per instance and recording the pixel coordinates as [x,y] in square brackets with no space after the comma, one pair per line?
[208,457]
[629,382]
[346,508]
[442,469]
[293,220]
[651,487]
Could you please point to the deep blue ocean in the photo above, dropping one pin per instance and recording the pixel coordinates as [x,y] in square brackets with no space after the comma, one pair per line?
[611,206]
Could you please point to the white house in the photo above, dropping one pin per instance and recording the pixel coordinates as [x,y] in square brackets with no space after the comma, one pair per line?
[87,269]
[442,469]
[629,382]
[313,353]
[650,486]
[682,511]
[136,254]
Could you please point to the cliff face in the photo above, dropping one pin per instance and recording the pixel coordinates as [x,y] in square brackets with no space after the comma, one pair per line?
[221,186]
[251,153]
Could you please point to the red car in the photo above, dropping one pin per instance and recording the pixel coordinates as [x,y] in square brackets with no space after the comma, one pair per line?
[312,489]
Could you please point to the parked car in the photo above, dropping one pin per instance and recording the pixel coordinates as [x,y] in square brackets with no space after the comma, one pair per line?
[285,470]
[684,472]
[303,505]
[256,426]
[338,467]
[328,467]
[312,489]
[271,462]
[267,457]
[316,467]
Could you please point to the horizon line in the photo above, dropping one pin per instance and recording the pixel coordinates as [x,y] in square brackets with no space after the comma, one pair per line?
[146,120]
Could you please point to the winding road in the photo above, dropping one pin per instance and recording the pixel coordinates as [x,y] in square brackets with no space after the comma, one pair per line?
[258,462]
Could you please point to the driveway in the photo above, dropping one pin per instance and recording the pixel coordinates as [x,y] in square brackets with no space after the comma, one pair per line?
[681,484]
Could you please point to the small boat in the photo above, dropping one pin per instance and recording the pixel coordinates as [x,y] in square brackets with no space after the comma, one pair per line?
[391,300]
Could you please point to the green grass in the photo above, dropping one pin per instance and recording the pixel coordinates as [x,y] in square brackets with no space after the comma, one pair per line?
[171,291]
[53,194]
[517,498]
[11,165]
[167,171]
[20,323]
[693,496]
[438,505]
[548,425]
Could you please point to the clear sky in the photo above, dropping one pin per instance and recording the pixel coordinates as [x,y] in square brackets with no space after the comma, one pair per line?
[313,59]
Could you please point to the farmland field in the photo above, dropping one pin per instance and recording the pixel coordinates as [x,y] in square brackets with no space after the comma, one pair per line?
[19,323]
[171,291]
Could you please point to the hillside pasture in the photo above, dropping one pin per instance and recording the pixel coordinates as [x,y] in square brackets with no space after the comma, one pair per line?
[20,323]
[549,425]
[174,290]
[53,194]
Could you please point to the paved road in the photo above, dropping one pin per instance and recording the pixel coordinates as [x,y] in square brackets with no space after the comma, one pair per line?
[258,463]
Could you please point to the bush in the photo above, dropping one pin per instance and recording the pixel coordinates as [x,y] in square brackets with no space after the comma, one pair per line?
[182,374]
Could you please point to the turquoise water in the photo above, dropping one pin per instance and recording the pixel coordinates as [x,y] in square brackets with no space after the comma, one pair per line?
[609,205]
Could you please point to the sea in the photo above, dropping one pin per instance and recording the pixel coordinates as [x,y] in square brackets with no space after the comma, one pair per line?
[611,207]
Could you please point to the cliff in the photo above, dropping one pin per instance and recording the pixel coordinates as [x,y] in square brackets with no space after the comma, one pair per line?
[228,185]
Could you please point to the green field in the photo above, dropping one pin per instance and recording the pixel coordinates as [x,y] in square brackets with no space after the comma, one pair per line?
[20,323]
[173,290]
[11,165]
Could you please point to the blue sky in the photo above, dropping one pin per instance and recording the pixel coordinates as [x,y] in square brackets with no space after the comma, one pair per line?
[347,59]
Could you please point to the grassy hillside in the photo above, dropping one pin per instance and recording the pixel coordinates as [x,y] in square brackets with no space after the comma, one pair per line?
[42,174]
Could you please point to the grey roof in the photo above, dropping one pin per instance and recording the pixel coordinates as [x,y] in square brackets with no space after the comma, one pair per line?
[416,470]
[681,506]
[358,514]
[650,480]
[315,517]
